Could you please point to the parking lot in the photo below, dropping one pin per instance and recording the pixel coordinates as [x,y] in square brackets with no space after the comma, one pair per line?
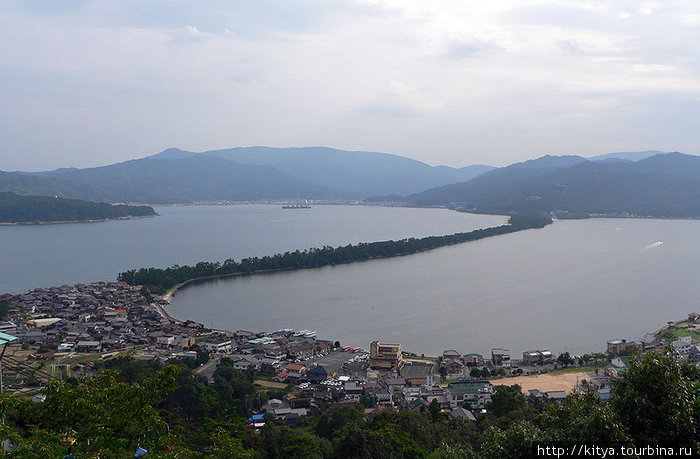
[333,362]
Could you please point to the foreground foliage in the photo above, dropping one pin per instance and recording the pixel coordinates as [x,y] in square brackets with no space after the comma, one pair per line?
[173,413]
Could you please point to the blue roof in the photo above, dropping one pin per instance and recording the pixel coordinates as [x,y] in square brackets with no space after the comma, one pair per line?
[257,417]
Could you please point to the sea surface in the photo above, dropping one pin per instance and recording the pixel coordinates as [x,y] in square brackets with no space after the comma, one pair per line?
[47,255]
[570,286]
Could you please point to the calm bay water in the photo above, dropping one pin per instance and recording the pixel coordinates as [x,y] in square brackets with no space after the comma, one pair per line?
[571,286]
[45,255]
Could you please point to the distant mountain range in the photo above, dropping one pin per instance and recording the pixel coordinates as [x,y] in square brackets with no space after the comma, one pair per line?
[648,183]
[662,185]
[41,209]
[241,174]
[351,173]
[626,155]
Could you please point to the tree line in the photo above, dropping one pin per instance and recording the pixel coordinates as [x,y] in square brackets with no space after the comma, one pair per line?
[173,412]
[160,280]
[32,209]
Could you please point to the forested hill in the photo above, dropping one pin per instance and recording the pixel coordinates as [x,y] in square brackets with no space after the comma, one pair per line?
[160,280]
[354,173]
[665,185]
[38,209]
[241,174]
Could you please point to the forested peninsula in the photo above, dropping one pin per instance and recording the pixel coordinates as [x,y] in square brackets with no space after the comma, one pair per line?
[159,280]
[17,209]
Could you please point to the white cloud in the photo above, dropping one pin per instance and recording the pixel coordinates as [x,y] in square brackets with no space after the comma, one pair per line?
[453,81]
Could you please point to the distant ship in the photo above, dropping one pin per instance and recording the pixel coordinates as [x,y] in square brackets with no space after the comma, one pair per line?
[304,205]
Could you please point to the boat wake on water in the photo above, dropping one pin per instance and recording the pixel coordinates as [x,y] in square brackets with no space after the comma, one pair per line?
[654,245]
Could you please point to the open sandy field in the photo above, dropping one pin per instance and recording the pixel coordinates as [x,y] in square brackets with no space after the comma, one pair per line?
[545,382]
[272,384]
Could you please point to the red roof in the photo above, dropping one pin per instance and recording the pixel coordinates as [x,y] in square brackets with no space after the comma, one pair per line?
[295,367]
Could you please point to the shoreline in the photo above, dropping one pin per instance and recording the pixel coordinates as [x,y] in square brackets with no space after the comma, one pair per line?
[98,220]
[170,293]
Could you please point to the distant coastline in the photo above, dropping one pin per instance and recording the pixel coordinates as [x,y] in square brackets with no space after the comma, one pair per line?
[97,220]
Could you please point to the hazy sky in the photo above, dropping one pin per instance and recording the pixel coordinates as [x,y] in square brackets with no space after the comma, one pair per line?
[86,83]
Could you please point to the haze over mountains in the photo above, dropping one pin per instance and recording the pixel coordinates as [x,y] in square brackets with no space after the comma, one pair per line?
[663,185]
[647,183]
[241,174]
[351,173]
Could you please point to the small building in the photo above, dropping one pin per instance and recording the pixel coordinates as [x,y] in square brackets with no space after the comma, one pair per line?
[384,356]
[539,397]
[538,357]
[476,394]
[219,347]
[461,413]
[451,354]
[680,346]
[619,346]
[88,346]
[500,356]
[473,359]
[418,373]
[165,340]
[353,390]
[295,371]
[317,374]
[694,354]
[395,384]
[453,366]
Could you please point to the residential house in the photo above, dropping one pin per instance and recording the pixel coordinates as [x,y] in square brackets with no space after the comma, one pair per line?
[353,390]
[451,354]
[418,373]
[88,346]
[537,357]
[473,359]
[476,394]
[301,350]
[295,371]
[539,397]
[395,384]
[317,374]
[219,347]
[620,346]
[681,346]
[461,413]
[501,357]
[165,340]
[453,366]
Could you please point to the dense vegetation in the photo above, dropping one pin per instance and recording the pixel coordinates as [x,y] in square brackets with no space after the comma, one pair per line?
[34,209]
[174,413]
[160,280]
[660,186]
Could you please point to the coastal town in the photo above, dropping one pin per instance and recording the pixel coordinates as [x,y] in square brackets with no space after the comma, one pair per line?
[62,332]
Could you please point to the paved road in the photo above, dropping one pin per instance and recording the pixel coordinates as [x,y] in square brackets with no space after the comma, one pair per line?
[207,370]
